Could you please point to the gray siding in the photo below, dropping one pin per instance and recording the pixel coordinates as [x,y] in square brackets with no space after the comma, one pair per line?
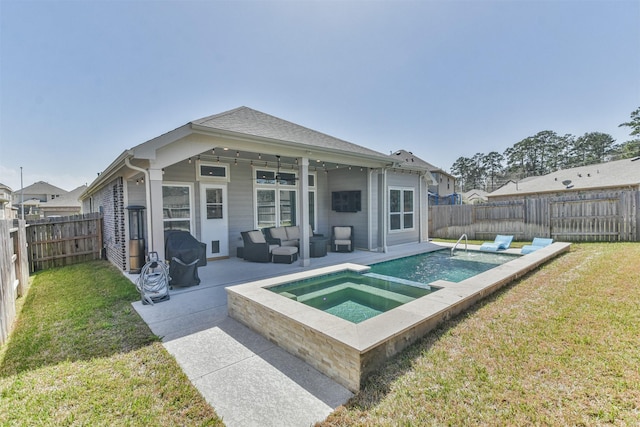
[405,181]
[349,180]
[240,205]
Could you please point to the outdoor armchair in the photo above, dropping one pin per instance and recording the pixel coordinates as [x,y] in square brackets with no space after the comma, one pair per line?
[256,247]
[342,238]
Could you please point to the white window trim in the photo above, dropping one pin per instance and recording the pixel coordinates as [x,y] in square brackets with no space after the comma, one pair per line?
[277,189]
[206,178]
[280,187]
[402,211]
[190,185]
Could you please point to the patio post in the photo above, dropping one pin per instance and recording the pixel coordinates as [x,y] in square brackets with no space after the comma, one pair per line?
[156,226]
[303,186]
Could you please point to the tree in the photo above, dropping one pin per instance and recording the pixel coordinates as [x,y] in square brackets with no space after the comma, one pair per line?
[549,146]
[492,164]
[630,148]
[595,147]
[627,150]
[478,172]
[634,124]
[463,169]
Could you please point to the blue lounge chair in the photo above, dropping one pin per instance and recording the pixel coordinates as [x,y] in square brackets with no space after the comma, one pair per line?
[499,244]
[538,243]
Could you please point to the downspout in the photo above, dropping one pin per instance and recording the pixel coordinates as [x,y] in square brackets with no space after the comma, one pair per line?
[147,187]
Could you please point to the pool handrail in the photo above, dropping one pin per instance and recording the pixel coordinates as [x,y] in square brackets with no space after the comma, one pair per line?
[458,242]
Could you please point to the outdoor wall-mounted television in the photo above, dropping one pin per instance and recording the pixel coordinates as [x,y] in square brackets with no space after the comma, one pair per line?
[346,201]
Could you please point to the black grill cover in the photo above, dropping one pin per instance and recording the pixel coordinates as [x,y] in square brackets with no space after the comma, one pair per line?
[183,274]
[182,245]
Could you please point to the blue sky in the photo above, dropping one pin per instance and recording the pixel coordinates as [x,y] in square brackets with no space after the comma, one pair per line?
[81,81]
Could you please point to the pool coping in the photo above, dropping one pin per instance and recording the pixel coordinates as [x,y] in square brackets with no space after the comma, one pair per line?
[367,344]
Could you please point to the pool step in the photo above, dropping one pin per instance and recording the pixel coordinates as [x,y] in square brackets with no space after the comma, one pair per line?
[398,280]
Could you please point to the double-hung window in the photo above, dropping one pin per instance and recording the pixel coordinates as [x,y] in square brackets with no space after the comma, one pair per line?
[401,209]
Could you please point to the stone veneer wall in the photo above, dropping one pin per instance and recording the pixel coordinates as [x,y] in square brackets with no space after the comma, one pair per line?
[331,357]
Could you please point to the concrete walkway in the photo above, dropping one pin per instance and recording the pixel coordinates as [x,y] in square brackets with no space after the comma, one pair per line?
[248,380]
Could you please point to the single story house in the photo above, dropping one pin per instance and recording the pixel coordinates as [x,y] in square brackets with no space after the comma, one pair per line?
[243,170]
[597,178]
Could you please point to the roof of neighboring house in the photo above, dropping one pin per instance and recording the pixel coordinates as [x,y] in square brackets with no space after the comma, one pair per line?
[474,192]
[408,158]
[6,187]
[70,199]
[42,187]
[620,173]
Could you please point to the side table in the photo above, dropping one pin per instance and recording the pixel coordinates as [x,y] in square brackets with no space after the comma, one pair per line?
[318,246]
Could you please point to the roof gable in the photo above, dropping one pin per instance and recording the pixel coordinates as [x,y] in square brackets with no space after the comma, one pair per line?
[246,121]
[42,187]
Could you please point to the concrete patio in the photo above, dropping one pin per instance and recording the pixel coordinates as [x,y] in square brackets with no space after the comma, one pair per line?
[246,378]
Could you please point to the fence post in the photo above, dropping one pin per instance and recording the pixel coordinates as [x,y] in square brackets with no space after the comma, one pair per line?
[22,270]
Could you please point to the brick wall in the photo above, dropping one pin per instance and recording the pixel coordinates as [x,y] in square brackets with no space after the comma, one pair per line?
[110,202]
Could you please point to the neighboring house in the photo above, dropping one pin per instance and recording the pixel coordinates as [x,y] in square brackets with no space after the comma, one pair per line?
[242,170]
[66,205]
[6,211]
[610,176]
[34,196]
[442,187]
[474,196]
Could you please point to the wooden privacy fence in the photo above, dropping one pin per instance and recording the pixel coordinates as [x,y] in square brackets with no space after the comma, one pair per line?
[594,217]
[55,242]
[14,272]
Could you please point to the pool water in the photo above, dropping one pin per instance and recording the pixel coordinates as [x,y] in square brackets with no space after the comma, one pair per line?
[440,265]
[352,296]
[357,297]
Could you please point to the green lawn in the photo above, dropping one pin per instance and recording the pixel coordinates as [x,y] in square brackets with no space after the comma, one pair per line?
[558,347]
[80,355]
[561,346]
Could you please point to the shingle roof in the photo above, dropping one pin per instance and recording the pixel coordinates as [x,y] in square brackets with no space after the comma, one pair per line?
[42,187]
[72,198]
[620,173]
[407,158]
[247,121]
